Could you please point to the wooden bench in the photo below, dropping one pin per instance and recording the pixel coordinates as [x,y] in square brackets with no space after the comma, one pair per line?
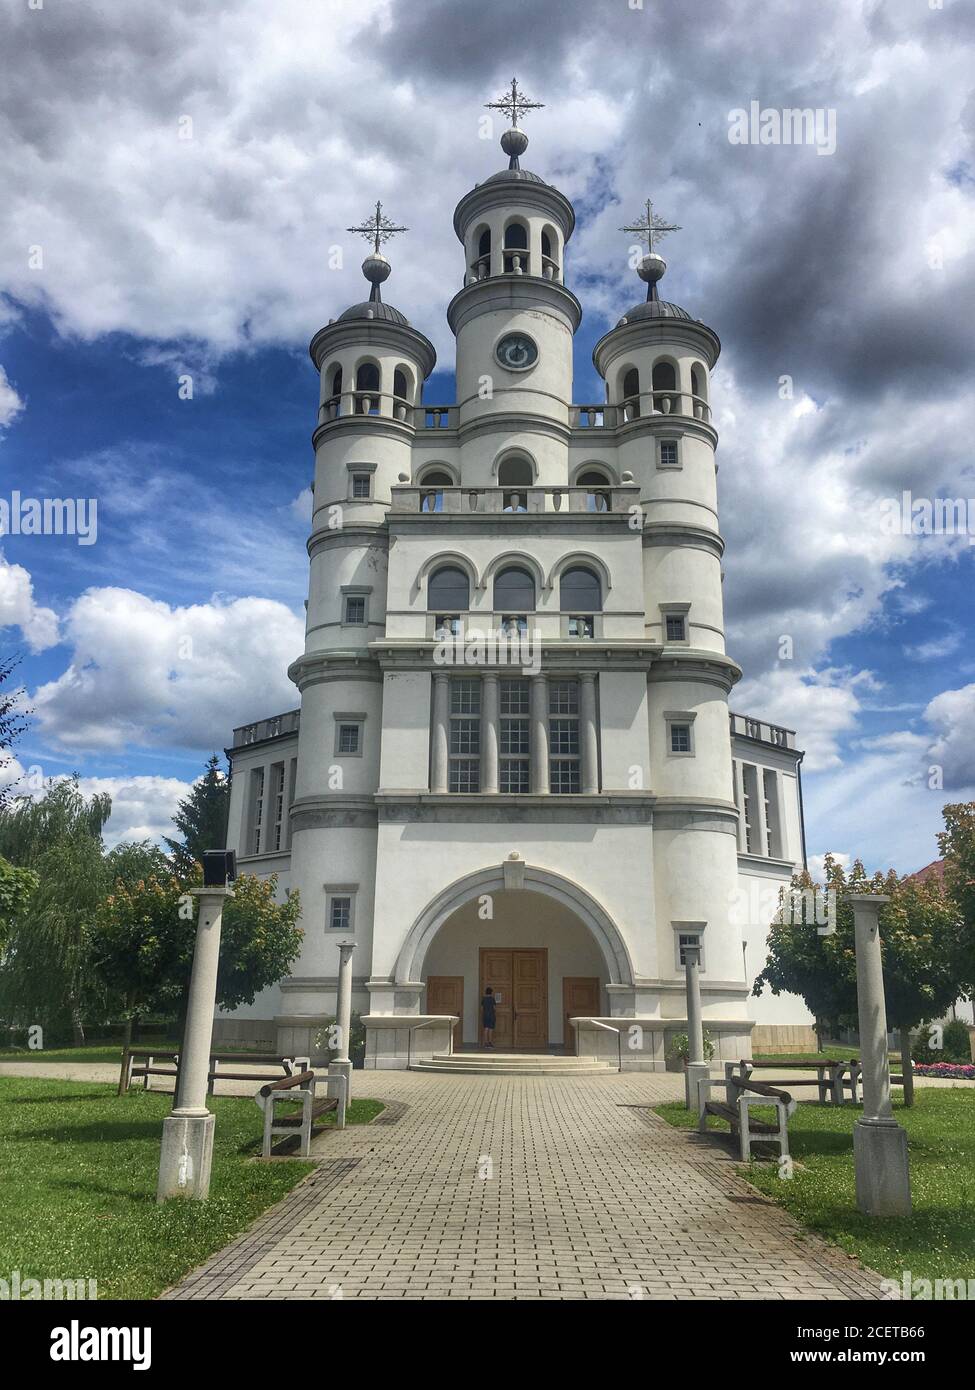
[830,1076]
[144,1062]
[743,1095]
[300,1087]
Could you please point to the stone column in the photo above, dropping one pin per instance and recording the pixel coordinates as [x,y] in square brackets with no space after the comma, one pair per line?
[588,740]
[187,1142]
[740,803]
[883,1182]
[441,714]
[489,732]
[342,1064]
[697,1067]
[539,735]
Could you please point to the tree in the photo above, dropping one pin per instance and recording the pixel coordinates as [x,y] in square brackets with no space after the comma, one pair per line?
[957,842]
[144,935]
[16,886]
[201,818]
[920,931]
[12,721]
[46,973]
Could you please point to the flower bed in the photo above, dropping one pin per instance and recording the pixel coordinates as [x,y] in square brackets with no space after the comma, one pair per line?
[960,1071]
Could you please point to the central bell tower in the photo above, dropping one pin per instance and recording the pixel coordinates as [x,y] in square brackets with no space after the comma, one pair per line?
[514,320]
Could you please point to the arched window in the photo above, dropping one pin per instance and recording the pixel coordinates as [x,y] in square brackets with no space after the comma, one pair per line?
[580,591]
[367,388]
[448,591]
[664,383]
[333,394]
[401,385]
[631,394]
[546,244]
[431,490]
[699,386]
[514,591]
[516,248]
[597,490]
[484,243]
[515,473]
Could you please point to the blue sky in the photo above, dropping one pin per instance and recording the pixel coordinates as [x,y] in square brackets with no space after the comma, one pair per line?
[214,256]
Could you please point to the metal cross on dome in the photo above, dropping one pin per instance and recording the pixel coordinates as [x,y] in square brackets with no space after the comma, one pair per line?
[513,104]
[650,226]
[378,229]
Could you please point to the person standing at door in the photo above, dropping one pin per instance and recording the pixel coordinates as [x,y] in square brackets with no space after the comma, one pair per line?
[488,1016]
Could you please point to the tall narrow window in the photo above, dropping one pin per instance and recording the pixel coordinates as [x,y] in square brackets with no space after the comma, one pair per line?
[750,792]
[464,748]
[257,811]
[514,742]
[277,806]
[563,737]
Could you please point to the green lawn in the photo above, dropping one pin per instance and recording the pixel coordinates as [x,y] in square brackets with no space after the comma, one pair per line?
[938,1239]
[78,1168]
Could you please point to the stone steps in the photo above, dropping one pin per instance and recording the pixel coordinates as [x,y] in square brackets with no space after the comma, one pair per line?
[512,1064]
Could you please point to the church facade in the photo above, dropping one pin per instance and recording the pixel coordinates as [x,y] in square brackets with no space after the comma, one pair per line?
[514,762]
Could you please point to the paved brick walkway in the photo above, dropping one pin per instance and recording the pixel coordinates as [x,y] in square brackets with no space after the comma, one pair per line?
[524,1188]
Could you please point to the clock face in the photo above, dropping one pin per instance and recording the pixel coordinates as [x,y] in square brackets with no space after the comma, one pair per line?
[517,352]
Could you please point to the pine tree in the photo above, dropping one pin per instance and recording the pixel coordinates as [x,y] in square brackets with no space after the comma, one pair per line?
[201,819]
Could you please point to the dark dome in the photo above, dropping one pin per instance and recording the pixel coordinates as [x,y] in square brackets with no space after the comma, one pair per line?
[369,309]
[654,309]
[523,175]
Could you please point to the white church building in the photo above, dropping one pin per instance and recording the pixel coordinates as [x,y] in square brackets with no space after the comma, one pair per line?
[514,762]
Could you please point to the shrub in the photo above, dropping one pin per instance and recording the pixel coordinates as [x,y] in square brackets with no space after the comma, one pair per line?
[680,1047]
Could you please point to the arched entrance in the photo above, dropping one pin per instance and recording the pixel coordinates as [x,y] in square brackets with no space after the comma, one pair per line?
[544,945]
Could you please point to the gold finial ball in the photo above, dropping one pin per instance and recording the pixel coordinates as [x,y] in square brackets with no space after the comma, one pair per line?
[514,142]
[376,268]
[651,268]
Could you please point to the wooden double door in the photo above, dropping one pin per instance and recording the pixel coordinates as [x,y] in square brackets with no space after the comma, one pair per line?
[519,979]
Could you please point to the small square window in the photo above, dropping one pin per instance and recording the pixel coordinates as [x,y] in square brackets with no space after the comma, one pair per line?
[676,627]
[581,627]
[686,939]
[668,457]
[349,738]
[340,914]
[360,484]
[447,625]
[355,610]
[680,738]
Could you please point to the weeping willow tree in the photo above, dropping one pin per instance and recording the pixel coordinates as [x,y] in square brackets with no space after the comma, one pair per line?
[46,974]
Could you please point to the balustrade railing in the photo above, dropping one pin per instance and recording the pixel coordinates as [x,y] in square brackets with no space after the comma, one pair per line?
[454,501]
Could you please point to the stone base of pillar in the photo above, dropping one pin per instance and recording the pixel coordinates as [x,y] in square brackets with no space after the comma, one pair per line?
[883,1180]
[693,1073]
[186,1157]
[342,1069]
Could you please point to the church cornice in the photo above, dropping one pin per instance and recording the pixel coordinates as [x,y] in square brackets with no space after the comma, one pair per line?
[502,293]
[680,534]
[372,535]
[483,197]
[319,668]
[376,333]
[628,337]
[370,426]
[711,668]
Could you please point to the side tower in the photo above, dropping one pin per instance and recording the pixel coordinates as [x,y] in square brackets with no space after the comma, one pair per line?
[372,366]
[656,364]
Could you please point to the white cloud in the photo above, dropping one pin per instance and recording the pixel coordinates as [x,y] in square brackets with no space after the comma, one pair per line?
[38,625]
[952,716]
[143,672]
[935,649]
[142,807]
[821,706]
[10,403]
